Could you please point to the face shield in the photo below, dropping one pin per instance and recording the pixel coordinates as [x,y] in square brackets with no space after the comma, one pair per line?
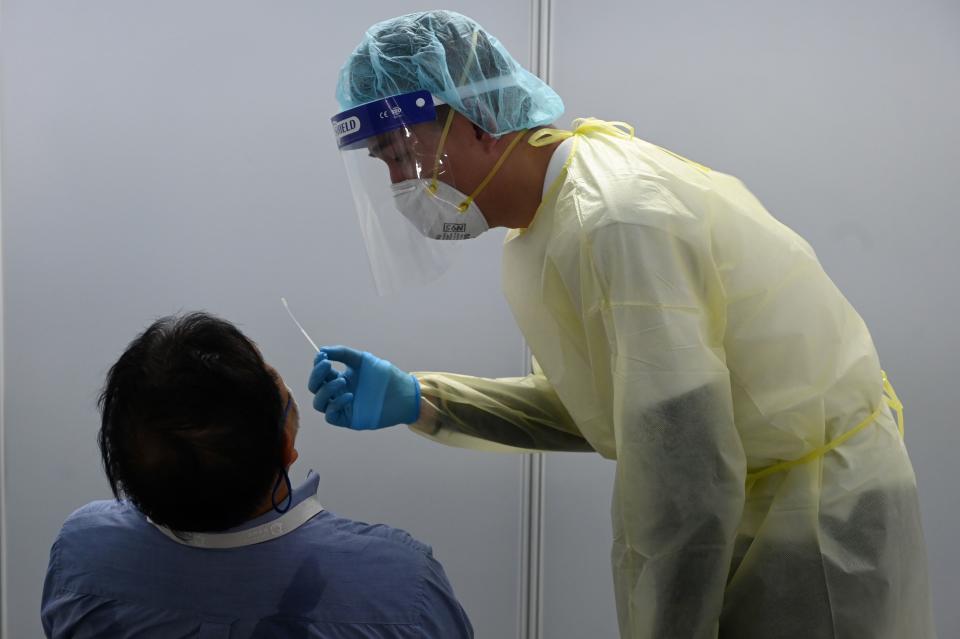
[400,176]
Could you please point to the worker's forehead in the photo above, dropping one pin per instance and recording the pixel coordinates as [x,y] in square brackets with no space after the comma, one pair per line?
[408,136]
[385,140]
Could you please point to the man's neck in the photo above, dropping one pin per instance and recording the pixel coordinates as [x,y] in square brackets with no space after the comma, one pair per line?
[279,499]
[513,197]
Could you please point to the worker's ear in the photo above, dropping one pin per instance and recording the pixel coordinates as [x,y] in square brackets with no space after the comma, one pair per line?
[487,142]
[491,144]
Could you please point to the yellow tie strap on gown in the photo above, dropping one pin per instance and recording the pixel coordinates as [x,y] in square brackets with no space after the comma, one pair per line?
[546,137]
[889,398]
[581,126]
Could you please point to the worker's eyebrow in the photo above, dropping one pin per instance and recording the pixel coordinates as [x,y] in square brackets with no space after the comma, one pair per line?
[379,143]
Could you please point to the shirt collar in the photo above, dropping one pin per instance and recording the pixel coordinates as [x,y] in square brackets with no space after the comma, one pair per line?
[307,489]
[270,525]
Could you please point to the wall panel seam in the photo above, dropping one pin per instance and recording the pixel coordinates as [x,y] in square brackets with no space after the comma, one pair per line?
[532,513]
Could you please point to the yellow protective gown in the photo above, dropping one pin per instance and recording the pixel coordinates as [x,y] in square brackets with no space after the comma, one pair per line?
[690,336]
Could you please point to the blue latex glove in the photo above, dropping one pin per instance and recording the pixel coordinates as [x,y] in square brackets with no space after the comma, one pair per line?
[371,393]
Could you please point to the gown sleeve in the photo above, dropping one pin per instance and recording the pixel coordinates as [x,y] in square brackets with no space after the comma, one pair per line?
[514,414]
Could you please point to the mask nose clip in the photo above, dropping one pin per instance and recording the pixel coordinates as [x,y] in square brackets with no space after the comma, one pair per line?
[402,188]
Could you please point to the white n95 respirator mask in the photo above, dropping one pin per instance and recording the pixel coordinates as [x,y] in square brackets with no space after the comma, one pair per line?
[437,210]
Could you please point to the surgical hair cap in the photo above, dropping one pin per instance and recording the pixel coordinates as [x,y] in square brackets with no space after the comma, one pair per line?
[457,61]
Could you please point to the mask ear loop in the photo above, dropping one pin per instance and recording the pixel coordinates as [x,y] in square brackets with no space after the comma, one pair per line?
[436,161]
[446,127]
[288,501]
[283,476]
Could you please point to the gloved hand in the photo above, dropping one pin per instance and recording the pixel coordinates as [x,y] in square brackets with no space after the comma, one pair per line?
[372,393]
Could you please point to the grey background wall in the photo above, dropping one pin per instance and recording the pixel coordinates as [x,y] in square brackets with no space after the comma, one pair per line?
[178,155]
[165,156]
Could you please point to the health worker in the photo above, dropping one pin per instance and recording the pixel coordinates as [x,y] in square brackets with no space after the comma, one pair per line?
[762,484]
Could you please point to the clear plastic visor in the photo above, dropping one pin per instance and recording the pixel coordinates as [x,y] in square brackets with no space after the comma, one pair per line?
[386,143]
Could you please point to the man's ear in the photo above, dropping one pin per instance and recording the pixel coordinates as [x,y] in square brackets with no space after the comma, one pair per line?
[483,112]
[487,141]
[290,453]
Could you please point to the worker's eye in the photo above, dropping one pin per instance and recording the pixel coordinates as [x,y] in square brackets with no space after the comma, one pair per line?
[392,155]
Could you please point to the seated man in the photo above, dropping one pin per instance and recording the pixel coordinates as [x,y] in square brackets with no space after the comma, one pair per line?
[197,435]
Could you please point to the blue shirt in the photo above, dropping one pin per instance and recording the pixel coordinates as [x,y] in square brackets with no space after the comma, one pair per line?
[112,573]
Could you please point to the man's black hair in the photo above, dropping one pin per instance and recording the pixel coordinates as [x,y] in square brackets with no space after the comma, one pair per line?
[191,427]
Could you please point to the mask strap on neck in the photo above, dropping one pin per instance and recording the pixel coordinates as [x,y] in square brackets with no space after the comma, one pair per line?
[496,167]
